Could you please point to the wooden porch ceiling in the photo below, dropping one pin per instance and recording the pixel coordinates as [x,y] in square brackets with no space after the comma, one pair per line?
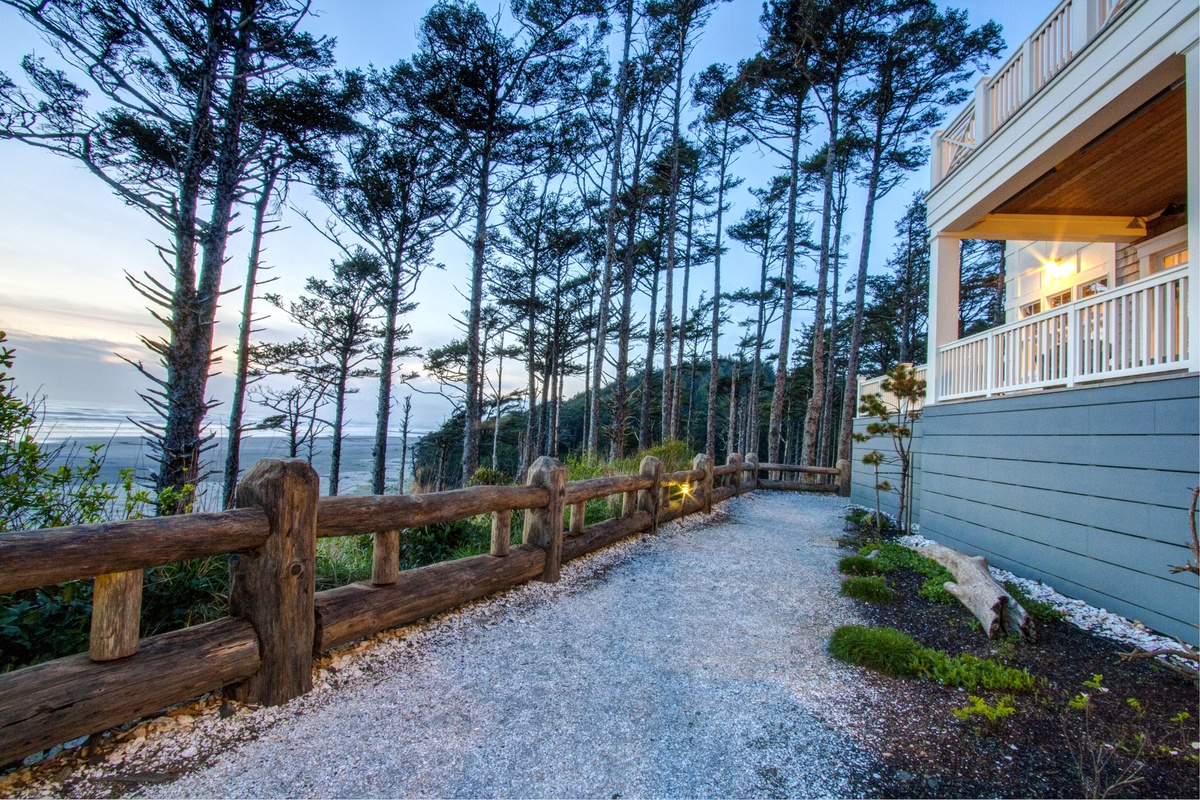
[1135,169]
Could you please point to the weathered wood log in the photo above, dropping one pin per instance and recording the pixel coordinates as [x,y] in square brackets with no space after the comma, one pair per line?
[602,534]
[683,476]
[750,482]
[648,499]
[578,517]
[348,516]
[578,491]
[727,469]
[359,610]
[385,557]
[116,615]
[501,533]
[273,585]
[798,468]
[844,476]
[798,486]
[544,526]
[29,559]
[51,703]
[736,471]
[628,503]
[723,493]
[704,463]
[973,585]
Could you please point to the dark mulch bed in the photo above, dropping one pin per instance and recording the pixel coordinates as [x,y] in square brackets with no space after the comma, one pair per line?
[931,753]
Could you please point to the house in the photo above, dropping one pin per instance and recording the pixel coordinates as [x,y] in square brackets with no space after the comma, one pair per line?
[1063,444]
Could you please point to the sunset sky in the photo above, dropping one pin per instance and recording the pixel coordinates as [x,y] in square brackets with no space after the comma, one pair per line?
[66,241]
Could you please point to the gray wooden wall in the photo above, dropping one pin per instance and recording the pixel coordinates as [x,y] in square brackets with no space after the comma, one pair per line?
[1085,489]
[862,483]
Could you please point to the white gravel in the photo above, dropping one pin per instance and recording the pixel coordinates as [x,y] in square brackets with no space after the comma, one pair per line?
[687,663]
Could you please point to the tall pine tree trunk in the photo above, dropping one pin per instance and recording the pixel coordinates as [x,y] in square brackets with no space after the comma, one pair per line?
[644,434]
[471,430]
[242,368]
[610,243]
[785,330]
[710,440]
[812,415]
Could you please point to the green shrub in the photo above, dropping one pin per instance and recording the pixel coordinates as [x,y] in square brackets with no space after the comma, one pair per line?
[1042,612]
[871,588]
[859,565]
[885,650]
[972,673]
[895,653]
[895,556]
[989,718]
[485,476]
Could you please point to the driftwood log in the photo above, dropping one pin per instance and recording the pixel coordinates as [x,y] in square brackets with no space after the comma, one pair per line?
[973,585]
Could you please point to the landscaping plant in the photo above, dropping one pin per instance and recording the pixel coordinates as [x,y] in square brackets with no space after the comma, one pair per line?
[895,422]
[868,587]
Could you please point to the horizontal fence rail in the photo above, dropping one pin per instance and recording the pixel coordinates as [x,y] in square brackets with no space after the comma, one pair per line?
[263,652]
[1139,329]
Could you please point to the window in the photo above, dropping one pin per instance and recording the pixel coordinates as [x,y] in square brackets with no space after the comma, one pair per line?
[1033,308]
[1060,299]
[1094,288]
[1168,260]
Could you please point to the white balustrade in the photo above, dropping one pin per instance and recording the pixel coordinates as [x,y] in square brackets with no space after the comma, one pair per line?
[1032,65]
[1134,330]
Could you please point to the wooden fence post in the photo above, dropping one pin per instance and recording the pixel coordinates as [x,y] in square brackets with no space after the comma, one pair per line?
[578,517]
[843,479]
[736,476]
[648,499]
[752,468]
[628,503]
[702,461]
[116,615]
[272,586]
[544,526]
[501,532]
[385,558]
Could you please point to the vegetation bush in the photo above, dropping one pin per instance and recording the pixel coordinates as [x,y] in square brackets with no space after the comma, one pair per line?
[895,556]
[895,653]
[486,476]
[885,650]
[868,587]
[859,565]
[864,520]
[1042,612]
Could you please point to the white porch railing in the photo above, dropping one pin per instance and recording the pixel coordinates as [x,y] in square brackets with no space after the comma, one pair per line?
[1060,36]
[1138,329]
[875,386]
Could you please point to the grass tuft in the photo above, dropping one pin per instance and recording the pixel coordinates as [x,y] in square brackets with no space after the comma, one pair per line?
[885,650]
[895,556]
[1042,612]
[859,565]
[868,587]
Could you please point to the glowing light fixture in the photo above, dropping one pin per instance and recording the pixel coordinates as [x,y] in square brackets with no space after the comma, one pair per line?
[1057,270]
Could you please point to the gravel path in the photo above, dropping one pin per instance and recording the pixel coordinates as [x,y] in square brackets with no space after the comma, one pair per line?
[687,663]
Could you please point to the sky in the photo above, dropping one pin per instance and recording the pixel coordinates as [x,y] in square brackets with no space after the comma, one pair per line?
[66,242]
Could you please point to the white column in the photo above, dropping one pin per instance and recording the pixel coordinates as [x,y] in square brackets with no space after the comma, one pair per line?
[983,110]
[1192,89]
[944,261]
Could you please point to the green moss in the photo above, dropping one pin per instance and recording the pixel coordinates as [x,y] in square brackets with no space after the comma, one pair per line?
[1042,612]
[868,587]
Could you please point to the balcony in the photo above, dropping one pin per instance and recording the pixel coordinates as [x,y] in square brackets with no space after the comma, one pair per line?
[1063,34]
[1138,329]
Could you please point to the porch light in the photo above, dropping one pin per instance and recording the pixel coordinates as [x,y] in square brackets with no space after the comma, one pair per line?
[1057,270]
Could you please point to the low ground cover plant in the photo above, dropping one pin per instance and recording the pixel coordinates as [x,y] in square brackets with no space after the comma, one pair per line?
[1042,612]
[895,653]
[871,588]
[896,556]
[859,565]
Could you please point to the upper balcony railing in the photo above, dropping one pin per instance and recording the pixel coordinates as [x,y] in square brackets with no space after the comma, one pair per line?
[1138,329]
[1060,36]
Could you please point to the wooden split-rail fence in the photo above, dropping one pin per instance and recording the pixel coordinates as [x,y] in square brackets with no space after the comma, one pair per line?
[263,652]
